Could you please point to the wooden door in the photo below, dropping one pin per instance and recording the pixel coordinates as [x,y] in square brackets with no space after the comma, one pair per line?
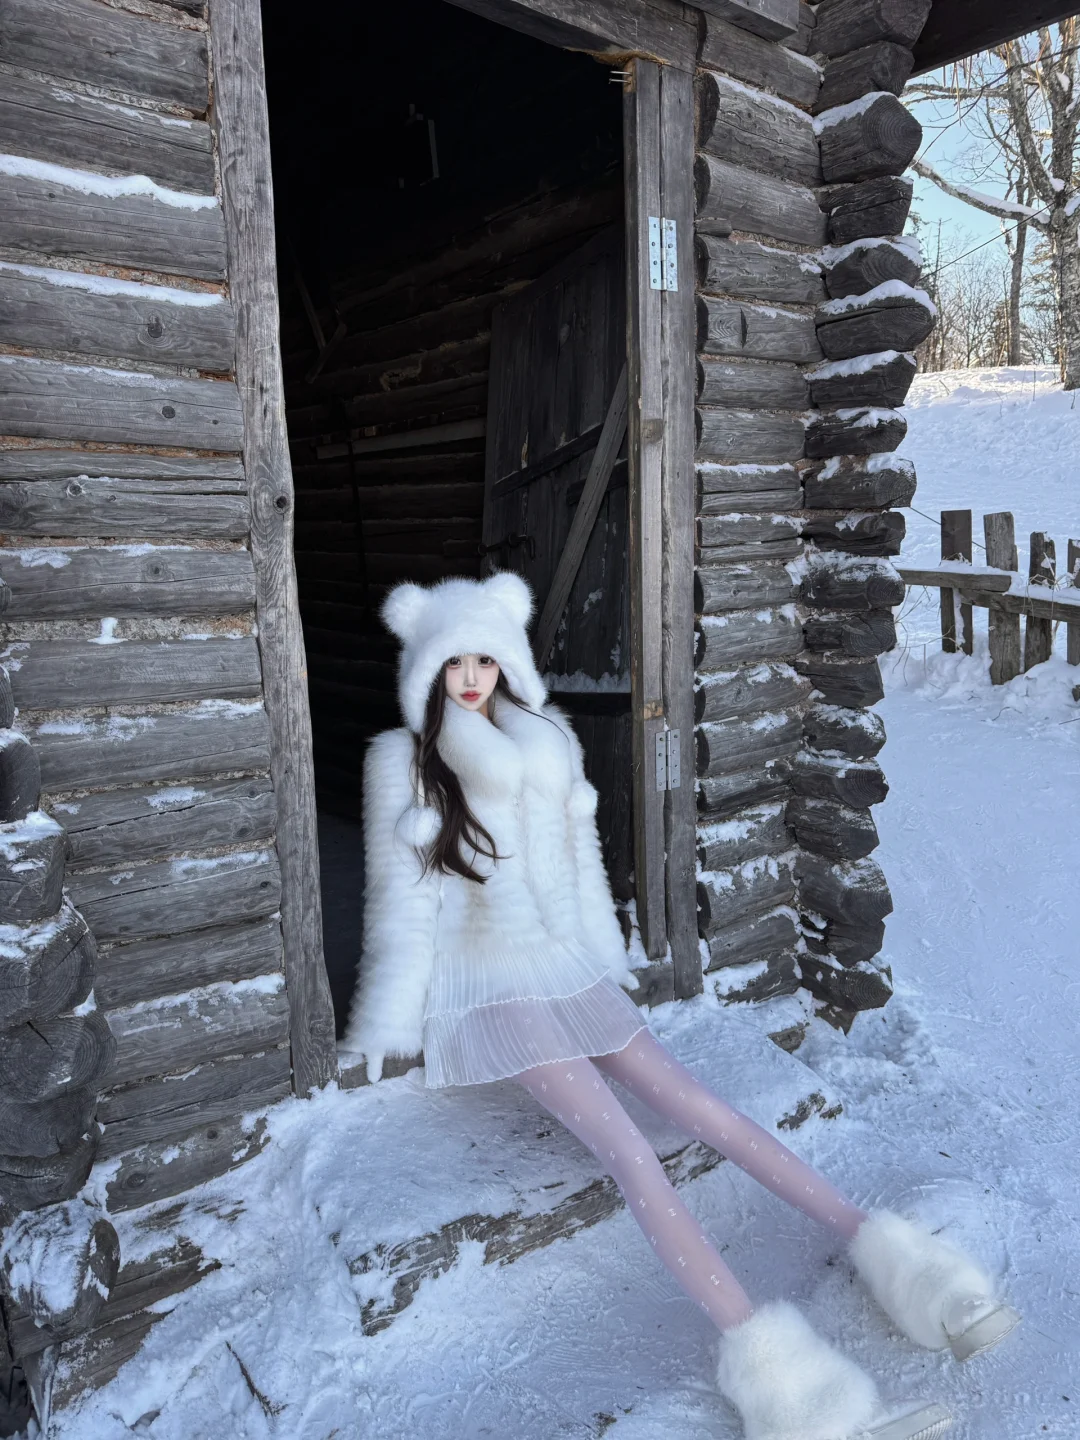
[558,353]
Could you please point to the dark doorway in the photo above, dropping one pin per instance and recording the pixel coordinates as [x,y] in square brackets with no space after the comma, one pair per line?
[429,167]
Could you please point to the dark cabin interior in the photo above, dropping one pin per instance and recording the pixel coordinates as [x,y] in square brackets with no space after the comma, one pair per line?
[428,165]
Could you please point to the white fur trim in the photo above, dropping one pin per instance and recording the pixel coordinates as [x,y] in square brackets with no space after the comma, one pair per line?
[787,1383]
[914,1276]
[583,799]
[419,826]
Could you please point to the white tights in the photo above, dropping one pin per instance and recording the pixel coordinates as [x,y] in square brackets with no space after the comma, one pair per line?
[575,1092]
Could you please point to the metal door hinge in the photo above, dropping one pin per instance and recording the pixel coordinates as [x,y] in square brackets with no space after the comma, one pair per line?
[663,254]
[668,763]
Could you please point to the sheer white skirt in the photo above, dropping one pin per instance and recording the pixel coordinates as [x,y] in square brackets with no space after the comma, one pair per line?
[493,1015]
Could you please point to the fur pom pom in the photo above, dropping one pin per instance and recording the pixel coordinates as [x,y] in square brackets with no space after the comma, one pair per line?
[419,826]
[402,609]
[512,593]
[582,802]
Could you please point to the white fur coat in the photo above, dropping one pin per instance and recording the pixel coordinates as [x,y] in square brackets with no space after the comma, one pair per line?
[523,780]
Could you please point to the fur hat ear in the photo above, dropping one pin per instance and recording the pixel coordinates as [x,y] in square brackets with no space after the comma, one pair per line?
[402,608]
[512,593]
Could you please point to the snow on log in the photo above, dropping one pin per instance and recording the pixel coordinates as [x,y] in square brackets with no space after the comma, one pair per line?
[858,734]
[832,829]
[759,204]
[738,530]
[853,944]
[892,316]
[727,896]
[861,483]
[867,208]
[873,136]
[882,65]
[848,633]
[749,982]
[766,384]
[746,269]
[728,746]
[857,431]
[20,777]
[177,964]
[852,891]
[45,1058]
[850,582]
[749,479]
[842,682]
[722,795]
[32,853]
[858,783]
[865,264]
[755,332]
[844,25]
[753,938]
[752,128]
[861,987]
[45,968]
[759,830]
[875,380]
[874,533]
[58,1266]
[737,587]
[747,635]
[748,690]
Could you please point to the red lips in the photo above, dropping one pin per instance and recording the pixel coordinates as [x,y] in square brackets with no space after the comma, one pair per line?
[470,694]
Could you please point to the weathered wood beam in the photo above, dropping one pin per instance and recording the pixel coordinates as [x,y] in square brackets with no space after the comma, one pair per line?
[58,1267]
[744,384]
[753,938]
[874,136]
[858,783]
[851,891]
[214,474]
[32,853]
[889,317]
[883,65]
[857,431]
[728,435]
[738,531]
[844,25]
[728,746]
[83,509]
[45,967]
[858,734]
[875,482]
[865,988]
[720,796]
[753,129]
[750,691]
[964,27]
[737,587]
[20,775]
[749,270]
[771,19]
[864,264]
[661,31]
[759,332]
[759,204]
[871,534]
[847,633]
[866,209]
[880,380]
[830,828]
[721,480]
[162,1168]
[29,1182]
[64,674]
[172,964]
[759,62]
[45,1058]
[746,501]
[39,1129]
[758,831]
[96,581]
[725,897]
[746,635]
[840,582]
[849,683]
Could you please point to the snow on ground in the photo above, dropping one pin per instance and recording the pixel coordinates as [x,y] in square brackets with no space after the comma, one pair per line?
[959,1104]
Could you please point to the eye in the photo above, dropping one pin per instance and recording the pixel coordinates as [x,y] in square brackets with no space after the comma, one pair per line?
[453,662]
[486,660]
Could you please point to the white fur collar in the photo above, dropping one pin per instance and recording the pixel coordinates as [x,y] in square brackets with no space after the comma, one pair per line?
[519,748]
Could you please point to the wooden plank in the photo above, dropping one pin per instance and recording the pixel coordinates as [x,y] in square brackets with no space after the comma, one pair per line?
[677,510]
[45,217]
[757,436]
[83,508]
[734,480]
[145,969]
[750,500]
[244,149]
[170,1167]
[760,204]
[966,26]
[999,535]
[755,130]
[210,474]
[114,826]
[771,19]
[1072,652]
[662,29]
[744,383]
[40,120]
[747,635]
[99,580]
[60,310]
[641,130]
[844,25]
[746,269]
[49,400]
[759,62]
[148,899]
[213,738]
[98,45]
[955,545]
[1038,631]
[759,332]
[68,674]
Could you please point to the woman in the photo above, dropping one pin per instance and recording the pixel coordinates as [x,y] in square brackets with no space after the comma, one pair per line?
[490,942]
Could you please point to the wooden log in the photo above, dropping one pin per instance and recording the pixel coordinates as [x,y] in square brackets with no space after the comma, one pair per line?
[114,826]
[43,217]
[213,738]
[226,472]
[759,204]
[152,1111]
[832,829]
[770,686]
[873,380]
[727,896]
[853,944]
[85,508]
[844,25]
[748,270]
[875,136]
[861,483]
[847,633]
[729,746]
[771,19]
[20,777]
[735,480]
[751,128]
[865,264]
[871,534]
[747,635]
[956,545]
[58,1266]
[145,969]
[759,62]
[45,967]
[753,938]
[1039,632]
[60,674]
[738,530]
[753,435]
[720,796]
[758,831]
[1072,652]
[40,120]
[171,1167]
[59,310]
[865,987]
[32,853]
[7,700]
[736,587]
[178,1033]
[44,1128]
[29,1182]
[856,783]
[858,734]
[147,900]
[802,40]
[851,891]
[755,332]
[852,683]
[97,581]
[858,431]
[879,320]
[882,65]
[842,582]
[750,501]
[999,535]
[748,383]
[749,984]
[868,208]
[118,50]
[46,1058]
[48,400]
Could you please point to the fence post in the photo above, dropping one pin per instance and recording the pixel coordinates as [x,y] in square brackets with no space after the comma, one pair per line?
[1073,648]
[955,545]
[1000,536]
[1039,634]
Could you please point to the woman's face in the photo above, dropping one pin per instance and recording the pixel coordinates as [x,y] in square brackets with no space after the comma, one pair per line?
[470,679]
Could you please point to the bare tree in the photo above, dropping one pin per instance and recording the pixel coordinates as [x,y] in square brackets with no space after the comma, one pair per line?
[1025,96]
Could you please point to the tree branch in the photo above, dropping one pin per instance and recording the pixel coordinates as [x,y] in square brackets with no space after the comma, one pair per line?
[989,204]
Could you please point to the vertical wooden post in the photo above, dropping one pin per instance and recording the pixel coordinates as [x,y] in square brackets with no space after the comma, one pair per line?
[243,138]
[955,545]
[678,503]
[999,534]
[641,139]
[1039,634]
[1072,653]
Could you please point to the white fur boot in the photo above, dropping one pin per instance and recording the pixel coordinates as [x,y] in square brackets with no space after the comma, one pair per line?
[936,1295]
[787,1383]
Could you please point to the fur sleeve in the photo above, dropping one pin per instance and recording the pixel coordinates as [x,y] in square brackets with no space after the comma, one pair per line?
[600,928]
[401,906]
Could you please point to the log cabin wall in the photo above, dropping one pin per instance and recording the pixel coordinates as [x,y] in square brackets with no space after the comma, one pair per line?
[807,316]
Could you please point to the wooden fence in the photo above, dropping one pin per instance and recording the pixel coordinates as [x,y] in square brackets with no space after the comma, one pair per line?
[998,588]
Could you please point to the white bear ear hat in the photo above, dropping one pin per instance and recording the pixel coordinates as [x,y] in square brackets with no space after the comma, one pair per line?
[461,617]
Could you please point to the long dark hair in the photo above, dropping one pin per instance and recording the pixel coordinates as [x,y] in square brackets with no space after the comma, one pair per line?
[441,789]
